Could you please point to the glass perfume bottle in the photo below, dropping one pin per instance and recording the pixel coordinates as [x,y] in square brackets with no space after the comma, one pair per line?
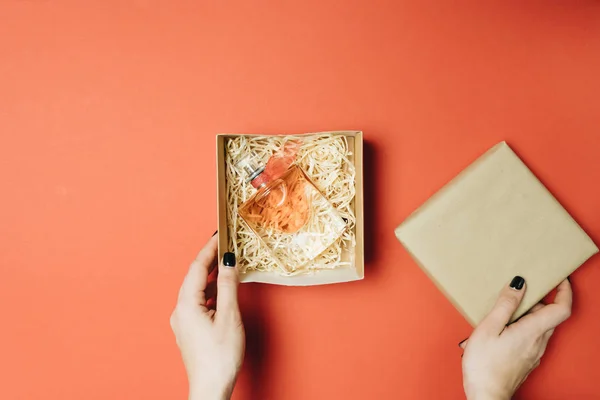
[289,214]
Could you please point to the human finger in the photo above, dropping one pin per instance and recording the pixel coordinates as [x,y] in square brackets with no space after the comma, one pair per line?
[227,285]
[508,301]
[556,313]
[194,283]
[536,308]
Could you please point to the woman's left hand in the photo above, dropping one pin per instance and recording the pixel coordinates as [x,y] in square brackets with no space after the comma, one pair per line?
[209,329]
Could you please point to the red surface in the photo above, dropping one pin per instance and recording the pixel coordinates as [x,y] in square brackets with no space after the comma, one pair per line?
[108,114]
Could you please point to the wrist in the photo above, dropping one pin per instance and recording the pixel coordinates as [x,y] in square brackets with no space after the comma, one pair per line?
[487,394]
[210,391]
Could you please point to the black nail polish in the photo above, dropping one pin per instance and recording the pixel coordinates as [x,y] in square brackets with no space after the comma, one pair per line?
[229,259]
[217,231]
[517,283]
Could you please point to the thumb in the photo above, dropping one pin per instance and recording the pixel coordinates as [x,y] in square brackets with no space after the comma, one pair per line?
[227,284]
[506,305]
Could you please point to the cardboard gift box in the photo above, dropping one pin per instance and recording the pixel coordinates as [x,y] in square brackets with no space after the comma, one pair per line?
[492,222]
[355,255]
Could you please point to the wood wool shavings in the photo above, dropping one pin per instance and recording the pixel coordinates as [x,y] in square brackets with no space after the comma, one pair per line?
[325,159]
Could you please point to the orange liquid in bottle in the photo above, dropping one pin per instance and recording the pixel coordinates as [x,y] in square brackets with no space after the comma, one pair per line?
[292,218]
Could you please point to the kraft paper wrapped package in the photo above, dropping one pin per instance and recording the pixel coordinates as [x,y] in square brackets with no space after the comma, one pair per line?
[494,221]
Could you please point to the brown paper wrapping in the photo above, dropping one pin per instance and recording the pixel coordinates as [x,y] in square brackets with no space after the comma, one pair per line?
[494,221]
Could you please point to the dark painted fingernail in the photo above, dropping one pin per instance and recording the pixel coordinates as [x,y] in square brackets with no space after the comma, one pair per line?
[569,279]
[517,283]
[229,259]
[217,231]
[461,342]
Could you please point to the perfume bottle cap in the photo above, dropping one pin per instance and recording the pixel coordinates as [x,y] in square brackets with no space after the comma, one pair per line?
[250,166]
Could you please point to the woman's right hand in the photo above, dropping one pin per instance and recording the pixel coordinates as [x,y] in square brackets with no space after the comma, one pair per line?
[498,358]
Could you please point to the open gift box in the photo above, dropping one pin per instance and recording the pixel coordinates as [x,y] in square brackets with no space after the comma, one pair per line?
[352,257]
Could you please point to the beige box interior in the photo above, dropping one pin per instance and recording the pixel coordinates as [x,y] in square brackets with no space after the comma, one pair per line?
[492,222]
[356,257]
